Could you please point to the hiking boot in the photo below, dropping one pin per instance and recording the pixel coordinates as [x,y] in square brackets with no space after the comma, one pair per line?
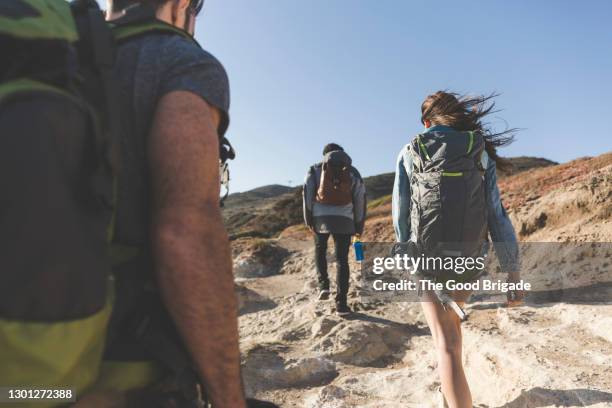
[343,310]
[324,294]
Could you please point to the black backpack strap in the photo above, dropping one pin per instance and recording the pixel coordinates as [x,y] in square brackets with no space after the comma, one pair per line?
[226,152]
[141,329]
[97,56]
[128,32]
[141,20]
[158,335]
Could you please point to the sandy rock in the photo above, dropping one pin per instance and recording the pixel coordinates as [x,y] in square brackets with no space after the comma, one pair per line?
[357,343]
[310,285]
[265,369]
[324,325]
[250,301]
[542,397]
[534,224]
[309,372]
[259,258]
[330,396]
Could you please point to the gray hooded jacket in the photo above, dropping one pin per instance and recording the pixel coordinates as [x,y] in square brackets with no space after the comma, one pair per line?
[334,219]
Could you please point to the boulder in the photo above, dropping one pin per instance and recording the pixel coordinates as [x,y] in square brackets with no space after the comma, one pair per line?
[265,369]
[259,258]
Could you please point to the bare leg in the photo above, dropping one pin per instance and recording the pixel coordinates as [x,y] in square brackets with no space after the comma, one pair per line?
[445,329]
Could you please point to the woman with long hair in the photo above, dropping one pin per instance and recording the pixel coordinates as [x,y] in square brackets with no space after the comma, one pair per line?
[451,166]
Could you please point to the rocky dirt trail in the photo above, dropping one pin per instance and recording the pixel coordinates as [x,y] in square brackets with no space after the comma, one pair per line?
[297,353]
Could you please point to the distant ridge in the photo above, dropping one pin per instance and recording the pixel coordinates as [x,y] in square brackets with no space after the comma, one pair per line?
[263,192]
[523,163]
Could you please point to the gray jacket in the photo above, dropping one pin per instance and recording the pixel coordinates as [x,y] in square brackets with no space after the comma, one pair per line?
[335,219]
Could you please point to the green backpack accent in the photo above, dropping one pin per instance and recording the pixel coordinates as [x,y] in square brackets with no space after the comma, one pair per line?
[37,20]
[131,31]
[25,85]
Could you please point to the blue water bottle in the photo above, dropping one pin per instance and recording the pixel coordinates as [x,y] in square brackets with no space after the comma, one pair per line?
[358,247]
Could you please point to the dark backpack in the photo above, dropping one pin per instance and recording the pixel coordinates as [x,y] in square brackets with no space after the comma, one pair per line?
[57,159]
[335,185]
[448,207]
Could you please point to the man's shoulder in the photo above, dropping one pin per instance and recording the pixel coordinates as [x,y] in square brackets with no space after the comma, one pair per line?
[170,50]
[175,48]
[181,65]
[185,46]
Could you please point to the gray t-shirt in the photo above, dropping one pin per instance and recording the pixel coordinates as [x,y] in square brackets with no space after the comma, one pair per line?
[148,67]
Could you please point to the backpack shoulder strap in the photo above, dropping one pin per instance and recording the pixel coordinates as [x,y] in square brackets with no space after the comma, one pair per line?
[470,141]
[96,51]
[422,147]
[141,20]
[313,171]
[127,32]
[416,150]
[356,174]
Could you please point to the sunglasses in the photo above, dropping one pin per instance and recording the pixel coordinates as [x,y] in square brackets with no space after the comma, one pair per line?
[195,7]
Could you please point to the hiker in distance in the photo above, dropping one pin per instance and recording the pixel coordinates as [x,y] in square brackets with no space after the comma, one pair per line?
[334,199]
[445,191]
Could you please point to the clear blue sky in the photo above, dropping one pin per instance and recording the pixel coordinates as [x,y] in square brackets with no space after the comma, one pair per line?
[305,73]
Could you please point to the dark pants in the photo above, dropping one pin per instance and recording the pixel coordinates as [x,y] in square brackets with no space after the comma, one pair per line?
[342,244]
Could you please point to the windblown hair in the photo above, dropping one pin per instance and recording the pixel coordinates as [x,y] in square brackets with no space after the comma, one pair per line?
[465,113]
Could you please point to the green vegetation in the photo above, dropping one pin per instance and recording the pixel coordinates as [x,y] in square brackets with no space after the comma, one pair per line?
[259,244]
[379,201]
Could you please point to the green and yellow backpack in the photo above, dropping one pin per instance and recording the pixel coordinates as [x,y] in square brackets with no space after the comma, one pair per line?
[58,168]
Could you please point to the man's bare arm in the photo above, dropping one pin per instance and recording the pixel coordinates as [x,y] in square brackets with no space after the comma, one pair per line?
[190,245]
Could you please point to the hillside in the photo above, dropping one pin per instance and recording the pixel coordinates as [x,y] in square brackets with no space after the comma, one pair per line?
[253,197]
[570,199]
[266,211]
[547,353]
